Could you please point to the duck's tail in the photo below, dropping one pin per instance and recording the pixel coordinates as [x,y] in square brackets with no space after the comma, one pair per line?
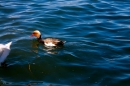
[64,41]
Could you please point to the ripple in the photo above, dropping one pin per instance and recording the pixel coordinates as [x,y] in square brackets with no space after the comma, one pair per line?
[96,51]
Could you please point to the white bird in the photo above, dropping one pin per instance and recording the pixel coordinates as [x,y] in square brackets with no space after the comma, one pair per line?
[4,52]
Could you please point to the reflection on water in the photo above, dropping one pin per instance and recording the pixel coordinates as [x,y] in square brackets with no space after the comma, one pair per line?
[48,49]
[35,46]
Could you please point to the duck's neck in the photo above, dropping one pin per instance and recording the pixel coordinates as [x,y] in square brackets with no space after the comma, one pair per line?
[39,39]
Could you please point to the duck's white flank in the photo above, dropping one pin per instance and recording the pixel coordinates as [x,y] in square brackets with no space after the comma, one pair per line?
[4,51]
[49,44]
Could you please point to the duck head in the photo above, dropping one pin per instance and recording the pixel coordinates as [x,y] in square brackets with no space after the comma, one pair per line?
[36,33]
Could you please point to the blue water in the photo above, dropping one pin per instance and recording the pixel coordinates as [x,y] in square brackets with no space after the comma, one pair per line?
[97,48]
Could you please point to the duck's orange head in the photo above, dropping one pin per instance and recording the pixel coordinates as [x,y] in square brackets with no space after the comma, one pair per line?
[36,33]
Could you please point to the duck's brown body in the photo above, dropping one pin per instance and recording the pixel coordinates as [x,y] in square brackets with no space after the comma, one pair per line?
[51,42]
[47,41]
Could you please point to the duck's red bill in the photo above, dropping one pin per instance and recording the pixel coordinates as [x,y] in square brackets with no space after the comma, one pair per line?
[32,35]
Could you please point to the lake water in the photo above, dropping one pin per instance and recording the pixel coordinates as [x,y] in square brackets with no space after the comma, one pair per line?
[97,48]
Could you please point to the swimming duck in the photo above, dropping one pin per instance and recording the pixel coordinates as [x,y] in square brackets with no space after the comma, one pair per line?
[4,52]
[47,41]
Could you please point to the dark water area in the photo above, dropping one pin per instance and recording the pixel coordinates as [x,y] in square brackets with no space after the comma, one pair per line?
[97,48]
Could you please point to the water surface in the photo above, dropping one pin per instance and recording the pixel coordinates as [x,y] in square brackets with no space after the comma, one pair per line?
[97,48]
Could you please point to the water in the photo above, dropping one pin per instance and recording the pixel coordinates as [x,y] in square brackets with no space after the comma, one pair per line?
[97,51]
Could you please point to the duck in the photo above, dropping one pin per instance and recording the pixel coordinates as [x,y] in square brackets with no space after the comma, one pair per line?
[4,52]
[50,41]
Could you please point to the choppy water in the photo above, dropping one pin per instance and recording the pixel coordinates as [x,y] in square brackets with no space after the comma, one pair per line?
[97,51]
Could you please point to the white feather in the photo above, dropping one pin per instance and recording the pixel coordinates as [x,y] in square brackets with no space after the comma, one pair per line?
[50,44]
[4,51]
